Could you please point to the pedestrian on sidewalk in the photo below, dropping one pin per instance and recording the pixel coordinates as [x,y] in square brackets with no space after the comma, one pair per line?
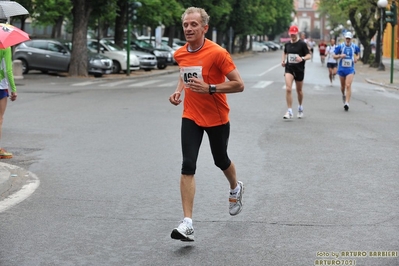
[6,83]
[331,61]
[204,67]
[347,53]
[295,54]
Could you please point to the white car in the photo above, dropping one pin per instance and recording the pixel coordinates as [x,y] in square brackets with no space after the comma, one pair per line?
[175,46]
[259,47]
[117,54]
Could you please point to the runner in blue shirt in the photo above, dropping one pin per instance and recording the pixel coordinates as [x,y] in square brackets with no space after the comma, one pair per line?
[347,53]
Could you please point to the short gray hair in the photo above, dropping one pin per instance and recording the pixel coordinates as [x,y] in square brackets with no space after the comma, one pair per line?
[204,16]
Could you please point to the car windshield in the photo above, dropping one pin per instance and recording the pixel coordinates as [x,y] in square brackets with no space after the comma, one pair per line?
[143,44]
[111,46]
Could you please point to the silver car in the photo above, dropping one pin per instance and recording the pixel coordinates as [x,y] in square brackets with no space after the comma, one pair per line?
[148,61]
[53,55]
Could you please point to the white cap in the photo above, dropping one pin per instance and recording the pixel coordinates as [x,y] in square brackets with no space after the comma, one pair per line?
[348,35]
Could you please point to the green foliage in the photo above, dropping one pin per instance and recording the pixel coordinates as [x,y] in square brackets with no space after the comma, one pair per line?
[361,13]
[47,12]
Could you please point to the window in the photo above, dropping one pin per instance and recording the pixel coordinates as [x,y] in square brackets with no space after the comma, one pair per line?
[40,45]
[54,47]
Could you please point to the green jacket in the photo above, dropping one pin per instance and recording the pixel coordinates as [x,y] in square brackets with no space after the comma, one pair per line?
[6,74]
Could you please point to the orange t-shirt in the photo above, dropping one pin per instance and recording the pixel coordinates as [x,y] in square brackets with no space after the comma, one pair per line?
[211,64]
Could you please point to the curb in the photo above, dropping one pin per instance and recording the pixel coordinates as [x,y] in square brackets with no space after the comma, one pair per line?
[382,84]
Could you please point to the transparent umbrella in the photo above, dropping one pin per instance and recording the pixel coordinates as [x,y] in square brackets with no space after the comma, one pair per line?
[11,9]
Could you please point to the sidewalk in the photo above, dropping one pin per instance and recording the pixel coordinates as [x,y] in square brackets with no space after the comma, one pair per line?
[381,78]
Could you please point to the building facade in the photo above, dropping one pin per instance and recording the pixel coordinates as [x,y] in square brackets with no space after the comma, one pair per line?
[309,20]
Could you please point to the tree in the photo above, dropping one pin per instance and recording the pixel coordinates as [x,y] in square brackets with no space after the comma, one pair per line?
[361,13]
[51,12]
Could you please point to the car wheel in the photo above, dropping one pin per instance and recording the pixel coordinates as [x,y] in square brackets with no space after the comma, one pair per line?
[161,66]
[264,51]
[25,66]
[116,67]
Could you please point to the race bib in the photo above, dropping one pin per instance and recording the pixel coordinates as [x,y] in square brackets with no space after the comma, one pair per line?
[292,58]
[346,62]
[191,72]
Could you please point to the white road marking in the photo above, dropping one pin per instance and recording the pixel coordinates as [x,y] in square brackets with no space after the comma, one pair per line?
[262,84]
[144,83]
[170,84]
[21,194]
[86,83]
[270,69]
[113,84]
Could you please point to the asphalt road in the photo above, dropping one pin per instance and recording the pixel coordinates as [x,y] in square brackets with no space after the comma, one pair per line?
[323,189]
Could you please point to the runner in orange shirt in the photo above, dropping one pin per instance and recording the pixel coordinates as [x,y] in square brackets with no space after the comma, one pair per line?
[204,67]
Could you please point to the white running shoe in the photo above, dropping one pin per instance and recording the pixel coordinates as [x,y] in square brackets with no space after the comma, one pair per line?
[288,115]
[300,113]
[183,232]
[236,200]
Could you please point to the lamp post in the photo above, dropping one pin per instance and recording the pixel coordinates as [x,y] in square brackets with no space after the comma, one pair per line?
[391,17]
[382,4]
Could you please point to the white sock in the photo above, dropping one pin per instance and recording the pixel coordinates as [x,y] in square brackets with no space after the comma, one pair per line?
[290,110]
[346,103]
[188,221]
[236,190]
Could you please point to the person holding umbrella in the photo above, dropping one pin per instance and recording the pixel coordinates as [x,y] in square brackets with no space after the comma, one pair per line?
[7,84]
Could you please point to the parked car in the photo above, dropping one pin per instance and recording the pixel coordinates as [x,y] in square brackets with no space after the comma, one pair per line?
[54,55]
[174,46]
[164,57]
[180,42]
[162,45]
[148,61]
[117,54]
[272,46]
[279,46]
[99,64]
[259,47]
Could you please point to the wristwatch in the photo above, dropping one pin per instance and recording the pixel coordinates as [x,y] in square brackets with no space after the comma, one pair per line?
[212,89]
[303,59]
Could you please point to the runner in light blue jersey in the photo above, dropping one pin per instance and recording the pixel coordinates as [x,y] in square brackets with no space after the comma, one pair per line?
[348,54]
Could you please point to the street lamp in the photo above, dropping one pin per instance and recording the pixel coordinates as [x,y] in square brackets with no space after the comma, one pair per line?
[382,4]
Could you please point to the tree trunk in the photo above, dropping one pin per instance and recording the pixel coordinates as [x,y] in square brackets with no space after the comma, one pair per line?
[120,22]
[81,13]
[56,31]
